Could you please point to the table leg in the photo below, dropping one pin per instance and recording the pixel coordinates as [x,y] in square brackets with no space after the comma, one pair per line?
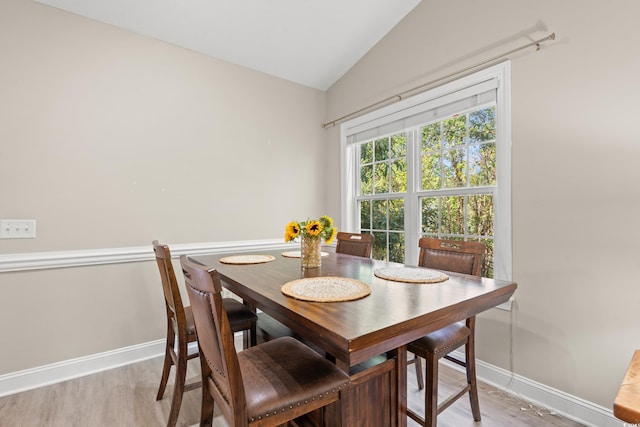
[401,365]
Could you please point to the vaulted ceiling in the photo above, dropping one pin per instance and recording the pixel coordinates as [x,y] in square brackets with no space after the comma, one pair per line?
[309,43]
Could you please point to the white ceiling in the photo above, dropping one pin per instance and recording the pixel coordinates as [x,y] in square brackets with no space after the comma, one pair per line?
[313,44]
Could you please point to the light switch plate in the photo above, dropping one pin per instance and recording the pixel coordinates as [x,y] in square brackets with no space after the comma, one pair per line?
[17,228]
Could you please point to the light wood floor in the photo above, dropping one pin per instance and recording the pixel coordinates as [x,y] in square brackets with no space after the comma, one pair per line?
[125,397]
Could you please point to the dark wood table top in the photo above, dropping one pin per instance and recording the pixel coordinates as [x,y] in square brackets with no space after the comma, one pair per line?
[394,314]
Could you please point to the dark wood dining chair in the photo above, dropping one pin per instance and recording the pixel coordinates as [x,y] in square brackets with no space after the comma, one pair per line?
[269,384]
[354,244]
[459,257]
[180,327]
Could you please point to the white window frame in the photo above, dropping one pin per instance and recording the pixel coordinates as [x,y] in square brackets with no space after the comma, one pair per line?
[350,219]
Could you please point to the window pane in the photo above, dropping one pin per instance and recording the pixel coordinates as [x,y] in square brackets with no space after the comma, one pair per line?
[430,215]
[480,215]
[399,176]
[482,125]
[452,215]
[381,178]
[431,137]
[366,152]
[454,130]
[379,214]
[380,245]
[396,247]
[366,179]
[399,145]
[382,149]
[396,214]
[365,214]
[454,168]
[487,263]
[482,165]
[431,179]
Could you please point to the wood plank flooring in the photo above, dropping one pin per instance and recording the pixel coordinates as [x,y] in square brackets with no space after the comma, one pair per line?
[125,397]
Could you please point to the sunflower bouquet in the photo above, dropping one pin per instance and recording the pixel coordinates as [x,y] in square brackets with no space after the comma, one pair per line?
[312,228]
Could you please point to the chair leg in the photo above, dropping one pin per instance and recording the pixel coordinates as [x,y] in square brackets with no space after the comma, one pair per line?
[431,392]
[206,411]
[471,378]
[178,387]
[245,339]
[254,338]
[249,338]
[419,376]
[166,369]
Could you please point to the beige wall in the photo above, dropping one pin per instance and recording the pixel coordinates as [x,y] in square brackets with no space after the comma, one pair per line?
[108,139]
[575,156]
[105,136]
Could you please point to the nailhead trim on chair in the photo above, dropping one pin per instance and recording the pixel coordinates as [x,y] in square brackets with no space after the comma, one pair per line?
[449,347]
[252,419]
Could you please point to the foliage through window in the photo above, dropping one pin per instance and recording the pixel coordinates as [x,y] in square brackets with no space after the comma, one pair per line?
[383,172]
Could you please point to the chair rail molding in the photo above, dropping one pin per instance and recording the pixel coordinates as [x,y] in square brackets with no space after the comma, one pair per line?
[86,257]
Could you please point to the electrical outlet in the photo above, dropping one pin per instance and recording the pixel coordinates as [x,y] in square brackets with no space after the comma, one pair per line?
[17,228]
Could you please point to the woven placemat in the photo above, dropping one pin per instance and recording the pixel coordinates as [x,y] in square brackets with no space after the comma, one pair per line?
[298,254]
[411,275]
[247,259]
[326,289]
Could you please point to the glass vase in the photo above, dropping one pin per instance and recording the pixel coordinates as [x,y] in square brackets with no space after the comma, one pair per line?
[310,252]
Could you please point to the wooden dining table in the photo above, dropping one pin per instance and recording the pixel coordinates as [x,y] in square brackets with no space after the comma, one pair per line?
[353,333]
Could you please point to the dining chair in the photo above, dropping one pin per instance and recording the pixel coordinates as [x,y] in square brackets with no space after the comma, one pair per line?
[459,257]
[180,326]
[354,244]
[269,384]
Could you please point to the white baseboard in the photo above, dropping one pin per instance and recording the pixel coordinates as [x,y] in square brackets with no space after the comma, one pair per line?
[41,376]
[545,398]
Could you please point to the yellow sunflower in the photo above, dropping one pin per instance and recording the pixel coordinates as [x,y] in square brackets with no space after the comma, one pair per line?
[326,221]
[334,232]
[292,231]
[314,228]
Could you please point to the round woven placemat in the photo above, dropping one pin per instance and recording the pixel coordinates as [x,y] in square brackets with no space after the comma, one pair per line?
[326,289]
[411,275]
[298,254]
[247,259]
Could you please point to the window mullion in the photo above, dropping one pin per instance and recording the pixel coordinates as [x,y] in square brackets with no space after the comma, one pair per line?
[412,207]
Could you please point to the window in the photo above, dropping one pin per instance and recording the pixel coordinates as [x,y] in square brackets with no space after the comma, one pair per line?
[436,164]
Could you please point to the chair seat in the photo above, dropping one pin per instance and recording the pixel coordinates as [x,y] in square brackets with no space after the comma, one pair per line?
[283,374]
[240,316]
[441,341]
